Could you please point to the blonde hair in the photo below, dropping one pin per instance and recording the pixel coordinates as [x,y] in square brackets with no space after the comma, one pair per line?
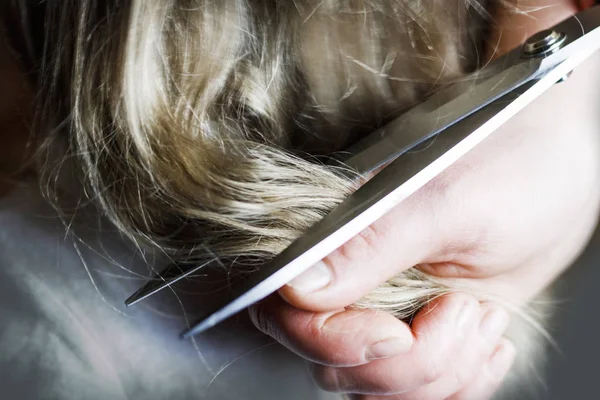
[201,127]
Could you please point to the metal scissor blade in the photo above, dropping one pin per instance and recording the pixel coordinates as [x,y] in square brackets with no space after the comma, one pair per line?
[162,280]
[461,99]
[452,104]
[393,184]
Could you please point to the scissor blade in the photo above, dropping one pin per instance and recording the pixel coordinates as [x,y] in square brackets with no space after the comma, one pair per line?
[459,100]
[447,107]
[162,280]
[443,109]
[393,184]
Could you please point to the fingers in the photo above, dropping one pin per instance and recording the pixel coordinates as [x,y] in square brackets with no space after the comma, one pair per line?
[396,242]
[454,337]
[482,387]
[340,338]
[492,375]
[485,384]
[369,352]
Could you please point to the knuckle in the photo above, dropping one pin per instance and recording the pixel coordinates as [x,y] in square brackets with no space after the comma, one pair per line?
[370,237]
[432,372]
[360,246]
[315,325]
[443,311]
[460,377]
[264,320]
[459,298]
[335,347]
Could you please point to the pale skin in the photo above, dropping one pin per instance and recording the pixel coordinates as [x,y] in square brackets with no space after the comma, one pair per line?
[506,219]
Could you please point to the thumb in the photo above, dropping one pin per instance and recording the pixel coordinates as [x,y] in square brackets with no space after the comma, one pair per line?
[404,237]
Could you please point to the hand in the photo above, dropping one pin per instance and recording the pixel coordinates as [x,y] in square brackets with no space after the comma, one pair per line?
[505,220]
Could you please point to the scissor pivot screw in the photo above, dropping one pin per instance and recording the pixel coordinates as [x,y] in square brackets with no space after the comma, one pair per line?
[543,43]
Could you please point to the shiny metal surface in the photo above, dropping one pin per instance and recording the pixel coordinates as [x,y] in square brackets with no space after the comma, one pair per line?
[412,171]
[450,122]
[393,184]
[165,278]
[543,43]
[457,101]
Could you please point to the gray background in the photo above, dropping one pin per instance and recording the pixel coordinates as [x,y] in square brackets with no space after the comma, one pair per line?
[574,373]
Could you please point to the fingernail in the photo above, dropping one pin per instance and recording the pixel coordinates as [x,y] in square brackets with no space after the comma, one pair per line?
[493,324]
[313,279]
[387,348]
[467,316]
[501,360]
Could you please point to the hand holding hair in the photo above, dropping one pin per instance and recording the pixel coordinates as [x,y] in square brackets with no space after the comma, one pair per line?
[501,225]
[184,125]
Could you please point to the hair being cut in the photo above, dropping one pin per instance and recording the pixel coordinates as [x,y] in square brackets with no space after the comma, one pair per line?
[201,127]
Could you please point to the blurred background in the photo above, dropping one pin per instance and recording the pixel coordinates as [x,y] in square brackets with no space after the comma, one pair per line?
[574,373]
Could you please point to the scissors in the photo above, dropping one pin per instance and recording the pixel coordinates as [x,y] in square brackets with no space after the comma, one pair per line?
[411,151]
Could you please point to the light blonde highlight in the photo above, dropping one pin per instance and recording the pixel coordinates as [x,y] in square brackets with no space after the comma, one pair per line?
[204,124]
